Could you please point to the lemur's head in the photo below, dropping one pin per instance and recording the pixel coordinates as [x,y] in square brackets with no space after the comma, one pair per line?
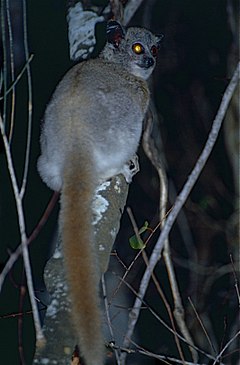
[136,48]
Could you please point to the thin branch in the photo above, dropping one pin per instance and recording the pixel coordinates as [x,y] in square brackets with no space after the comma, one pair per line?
[130,9]
[4,46]
[179,312]
[18,78]
[21,222]
[134,314]
[29,81]
[202,325]
[134,224]
[117,9]
[106,304]
[153,155]
[145,258]
[167,305]
[15,255]
[129,268]
[182,197]
[11,70]
[22,296]
[225,347]
[152,311]
[162,357]
[236,283]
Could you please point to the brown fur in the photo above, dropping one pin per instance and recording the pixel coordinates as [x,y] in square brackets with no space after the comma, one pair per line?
[80,256]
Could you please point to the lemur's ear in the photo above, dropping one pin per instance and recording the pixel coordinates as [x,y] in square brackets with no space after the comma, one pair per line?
[159,38]
[115,33]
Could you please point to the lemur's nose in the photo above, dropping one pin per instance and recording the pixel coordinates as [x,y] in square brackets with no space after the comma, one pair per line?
[149,62]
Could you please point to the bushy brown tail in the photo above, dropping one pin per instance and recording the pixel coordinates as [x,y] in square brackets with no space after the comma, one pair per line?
[80,256]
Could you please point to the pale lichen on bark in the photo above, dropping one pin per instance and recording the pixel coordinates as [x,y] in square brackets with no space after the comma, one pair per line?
[58,327]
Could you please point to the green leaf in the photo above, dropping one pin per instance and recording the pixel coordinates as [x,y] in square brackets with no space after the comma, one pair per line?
[144,227]
[135,242]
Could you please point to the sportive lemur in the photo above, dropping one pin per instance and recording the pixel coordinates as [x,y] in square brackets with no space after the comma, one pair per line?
[92,127]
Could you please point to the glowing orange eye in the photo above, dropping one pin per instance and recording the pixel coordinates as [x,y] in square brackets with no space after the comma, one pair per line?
[138,48]
[154,51]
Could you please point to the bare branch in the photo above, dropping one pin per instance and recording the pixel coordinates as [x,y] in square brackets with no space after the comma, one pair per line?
[15,255]
[29,82]
[152,311]
[117,9]
[225,347]
[154,156]
[130,10]
[182,197]
[18,78]
[106,304]
[144,255]
[236,285]
[21,222]
[163,357]
[202,325]
[11,69]
[134,314]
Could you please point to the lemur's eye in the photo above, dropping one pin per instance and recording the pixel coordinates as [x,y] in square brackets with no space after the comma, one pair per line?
[138,48]
[154,51]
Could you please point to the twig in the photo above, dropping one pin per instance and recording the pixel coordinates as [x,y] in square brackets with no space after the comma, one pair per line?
[225,347]
[18,78]
[212,275]
[21,222]
[129,268]
[10,35]
[153,155]
[162,357]
[117,9]
[164,299]
[15,255]
[130,10]
[108,318]
[202,325]
[236,284]
[23,292]
[152,311]
[182,197]
[145,258]
[179,312]
[29,81]
[134,224]
[4,46]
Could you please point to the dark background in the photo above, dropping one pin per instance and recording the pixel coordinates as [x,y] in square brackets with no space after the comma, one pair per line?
[195,64]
